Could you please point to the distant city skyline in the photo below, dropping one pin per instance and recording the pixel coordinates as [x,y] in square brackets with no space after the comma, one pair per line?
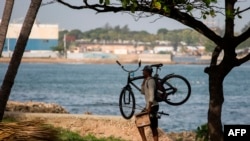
[86,20]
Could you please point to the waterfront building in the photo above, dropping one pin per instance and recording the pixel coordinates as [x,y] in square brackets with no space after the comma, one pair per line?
[42,37]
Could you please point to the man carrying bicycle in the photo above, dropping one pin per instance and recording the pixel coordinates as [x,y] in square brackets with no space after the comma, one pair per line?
[148,89]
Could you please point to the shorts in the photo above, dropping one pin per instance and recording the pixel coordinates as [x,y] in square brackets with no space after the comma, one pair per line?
[153,116]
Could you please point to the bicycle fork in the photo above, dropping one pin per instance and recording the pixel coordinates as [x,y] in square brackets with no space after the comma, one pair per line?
[127,95]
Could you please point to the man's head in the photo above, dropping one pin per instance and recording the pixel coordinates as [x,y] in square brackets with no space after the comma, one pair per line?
[147,71]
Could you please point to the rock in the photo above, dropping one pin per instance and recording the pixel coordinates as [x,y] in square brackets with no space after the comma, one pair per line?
[34,107]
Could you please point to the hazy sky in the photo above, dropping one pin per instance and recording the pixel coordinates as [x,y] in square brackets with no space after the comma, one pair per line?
[85,20]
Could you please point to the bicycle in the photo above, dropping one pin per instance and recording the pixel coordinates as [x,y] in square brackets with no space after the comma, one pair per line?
[177,90]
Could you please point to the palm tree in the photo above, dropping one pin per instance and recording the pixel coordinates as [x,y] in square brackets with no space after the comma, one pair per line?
[17,55]
[5,22]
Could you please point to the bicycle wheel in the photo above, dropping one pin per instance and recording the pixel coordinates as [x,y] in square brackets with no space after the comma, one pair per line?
[177,88]
[127,103]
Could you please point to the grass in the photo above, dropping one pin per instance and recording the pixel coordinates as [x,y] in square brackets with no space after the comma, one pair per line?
[67,135]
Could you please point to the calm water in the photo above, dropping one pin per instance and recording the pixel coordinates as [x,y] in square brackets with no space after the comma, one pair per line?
[95,88]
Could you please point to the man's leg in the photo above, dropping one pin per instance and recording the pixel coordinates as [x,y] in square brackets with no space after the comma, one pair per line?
[155,134]
[154,122]
[142,133]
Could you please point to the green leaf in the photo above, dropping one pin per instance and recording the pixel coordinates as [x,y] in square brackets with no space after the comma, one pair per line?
[212,13]
[207,2]
[204,16]
[189,7]
[107,2]
[157,5]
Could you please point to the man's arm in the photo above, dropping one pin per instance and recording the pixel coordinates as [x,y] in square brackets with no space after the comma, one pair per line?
[151,89]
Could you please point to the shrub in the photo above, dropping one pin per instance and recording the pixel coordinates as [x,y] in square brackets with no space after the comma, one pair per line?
[202,132]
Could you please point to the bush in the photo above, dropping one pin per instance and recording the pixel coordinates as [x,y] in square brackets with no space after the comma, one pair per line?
[202,132]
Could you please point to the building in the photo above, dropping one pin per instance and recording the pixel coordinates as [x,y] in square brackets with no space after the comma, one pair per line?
[42,37]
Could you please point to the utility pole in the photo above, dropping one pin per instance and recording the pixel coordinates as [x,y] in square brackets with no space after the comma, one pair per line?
[64,46]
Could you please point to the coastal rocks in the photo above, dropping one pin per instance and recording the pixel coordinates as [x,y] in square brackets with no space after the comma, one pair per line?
[34,107]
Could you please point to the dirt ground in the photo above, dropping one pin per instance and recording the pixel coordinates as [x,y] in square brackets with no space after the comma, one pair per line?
[100,126]
[84,124]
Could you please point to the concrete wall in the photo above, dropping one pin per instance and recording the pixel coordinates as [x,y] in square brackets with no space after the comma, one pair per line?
[155,58]
[130,58]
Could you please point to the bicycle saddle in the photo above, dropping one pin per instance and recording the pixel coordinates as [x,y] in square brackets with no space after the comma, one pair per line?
[157,65]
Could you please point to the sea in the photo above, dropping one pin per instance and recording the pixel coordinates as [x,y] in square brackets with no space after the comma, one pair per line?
[95,88]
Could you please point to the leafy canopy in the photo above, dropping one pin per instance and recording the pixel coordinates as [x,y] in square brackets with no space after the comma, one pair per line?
[165,6]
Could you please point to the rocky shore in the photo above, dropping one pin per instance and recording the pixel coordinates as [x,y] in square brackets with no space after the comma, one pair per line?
[84,124]
[34,107]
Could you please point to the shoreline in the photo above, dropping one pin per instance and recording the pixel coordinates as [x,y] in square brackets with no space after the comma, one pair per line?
[91,61]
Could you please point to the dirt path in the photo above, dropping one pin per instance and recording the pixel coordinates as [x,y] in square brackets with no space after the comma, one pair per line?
[100,126]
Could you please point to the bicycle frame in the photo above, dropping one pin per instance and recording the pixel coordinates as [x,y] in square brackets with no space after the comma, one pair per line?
[130,81]
[169,87]
[129,99]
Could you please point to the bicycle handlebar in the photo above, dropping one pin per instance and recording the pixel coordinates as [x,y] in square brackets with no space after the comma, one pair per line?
[118,63]
[129,71]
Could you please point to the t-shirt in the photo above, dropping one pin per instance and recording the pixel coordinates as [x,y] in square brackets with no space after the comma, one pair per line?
[148,89]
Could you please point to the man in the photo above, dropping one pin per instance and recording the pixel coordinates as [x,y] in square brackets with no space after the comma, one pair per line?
[148,89]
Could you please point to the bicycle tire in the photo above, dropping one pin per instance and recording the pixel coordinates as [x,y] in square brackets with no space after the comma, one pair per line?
[127,103]
[181,92]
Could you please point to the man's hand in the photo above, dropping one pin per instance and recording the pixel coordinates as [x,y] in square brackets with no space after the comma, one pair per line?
[149,110]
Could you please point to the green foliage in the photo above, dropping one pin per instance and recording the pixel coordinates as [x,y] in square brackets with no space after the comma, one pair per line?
[106,2]
[117,33]
[93,138]
[9,119]
[202,133]
[156,4]
[66,135]
[236,11]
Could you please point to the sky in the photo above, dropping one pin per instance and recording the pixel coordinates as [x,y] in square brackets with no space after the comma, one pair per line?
[86,20]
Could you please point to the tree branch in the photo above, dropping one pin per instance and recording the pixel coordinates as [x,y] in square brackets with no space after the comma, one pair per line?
[239,12]
[243,60]
[97,7]
[244,36]
[215,55]
[190,21]
[71,6]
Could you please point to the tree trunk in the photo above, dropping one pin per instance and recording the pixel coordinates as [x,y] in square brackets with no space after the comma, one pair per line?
[217,73]
[5,22]
[17,55]
[215,105]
